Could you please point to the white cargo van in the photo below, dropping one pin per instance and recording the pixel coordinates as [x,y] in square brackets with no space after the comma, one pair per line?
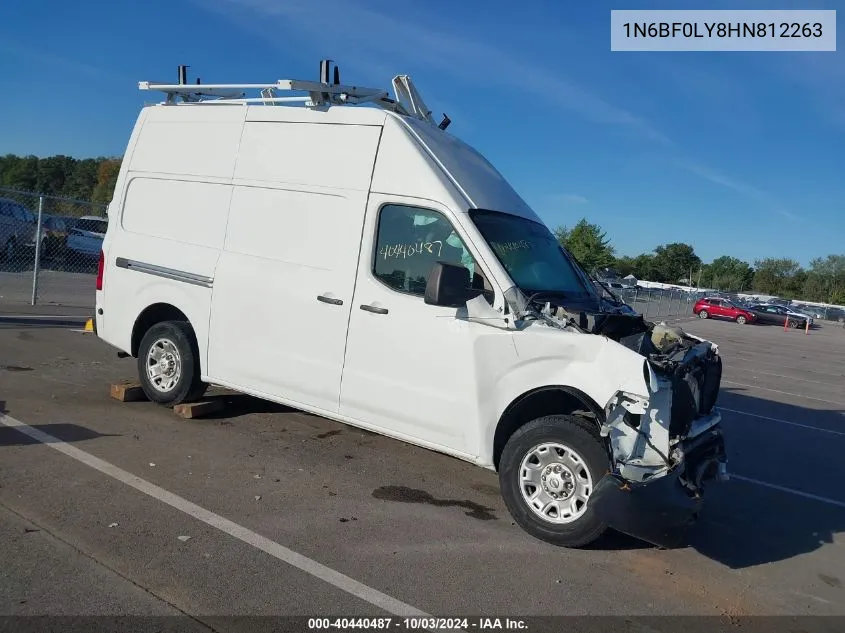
[339,252]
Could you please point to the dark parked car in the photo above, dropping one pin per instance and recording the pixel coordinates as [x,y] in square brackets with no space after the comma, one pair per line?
[719,308]
[54,239]
[776,315]
[17,228]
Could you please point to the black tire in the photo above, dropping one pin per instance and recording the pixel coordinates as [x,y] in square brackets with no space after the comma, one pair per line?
[188,385]
[741,320]
[579,435]
[703,314]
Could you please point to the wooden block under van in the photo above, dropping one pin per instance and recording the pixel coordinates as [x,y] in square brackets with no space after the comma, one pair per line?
[191,410]
[127,392]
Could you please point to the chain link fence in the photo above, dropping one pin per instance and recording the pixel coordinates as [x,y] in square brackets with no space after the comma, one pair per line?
[50,249]
[671,303]
[657,304]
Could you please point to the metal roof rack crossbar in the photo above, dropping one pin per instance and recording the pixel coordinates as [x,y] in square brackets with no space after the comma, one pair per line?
[320,94]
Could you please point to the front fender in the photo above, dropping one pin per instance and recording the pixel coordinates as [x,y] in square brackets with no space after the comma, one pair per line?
[593,365]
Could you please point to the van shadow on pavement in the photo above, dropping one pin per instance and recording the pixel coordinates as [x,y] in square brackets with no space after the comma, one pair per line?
[236,405]
[744,524]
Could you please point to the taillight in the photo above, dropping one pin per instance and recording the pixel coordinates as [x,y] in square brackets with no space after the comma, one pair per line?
[100,266]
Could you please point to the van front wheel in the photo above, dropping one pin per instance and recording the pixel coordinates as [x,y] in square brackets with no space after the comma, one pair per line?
[168,364]
[548,470]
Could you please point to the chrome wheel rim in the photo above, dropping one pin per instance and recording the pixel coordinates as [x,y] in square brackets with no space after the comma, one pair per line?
[740,320]
[164,365]
[555,483]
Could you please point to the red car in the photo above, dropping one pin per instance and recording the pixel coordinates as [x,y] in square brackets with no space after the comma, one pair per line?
[722,309]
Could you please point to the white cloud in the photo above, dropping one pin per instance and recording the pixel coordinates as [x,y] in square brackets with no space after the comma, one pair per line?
[749,191]
[568,199]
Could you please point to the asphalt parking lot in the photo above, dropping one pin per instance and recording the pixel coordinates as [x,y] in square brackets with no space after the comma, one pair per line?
[125,509]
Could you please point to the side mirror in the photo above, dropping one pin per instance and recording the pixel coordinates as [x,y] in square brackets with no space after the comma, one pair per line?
[448,285]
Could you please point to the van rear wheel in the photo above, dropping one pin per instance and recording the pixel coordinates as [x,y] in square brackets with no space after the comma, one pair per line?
[168,364]
[548,470]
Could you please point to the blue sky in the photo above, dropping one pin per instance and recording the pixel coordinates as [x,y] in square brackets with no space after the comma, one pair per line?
[735,153]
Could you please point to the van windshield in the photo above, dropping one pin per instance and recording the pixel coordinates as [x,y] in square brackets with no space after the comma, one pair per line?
[532,255]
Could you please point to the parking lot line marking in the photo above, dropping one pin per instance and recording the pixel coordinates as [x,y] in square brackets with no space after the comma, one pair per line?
[800,426]
[785,393]
[280,552]
[768,373]
[800,493]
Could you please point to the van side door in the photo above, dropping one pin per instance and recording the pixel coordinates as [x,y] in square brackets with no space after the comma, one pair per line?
[284,280]
[413,370]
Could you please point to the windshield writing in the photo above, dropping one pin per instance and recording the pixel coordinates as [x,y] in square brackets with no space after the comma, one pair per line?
[530,253]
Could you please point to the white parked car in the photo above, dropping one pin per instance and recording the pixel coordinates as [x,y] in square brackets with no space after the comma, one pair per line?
[86,236]
[363,264]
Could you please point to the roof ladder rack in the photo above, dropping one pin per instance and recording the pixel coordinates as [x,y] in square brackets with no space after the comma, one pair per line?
[320,94]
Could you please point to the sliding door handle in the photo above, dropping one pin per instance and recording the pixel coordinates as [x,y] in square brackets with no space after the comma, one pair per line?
[330,300]
[373,309]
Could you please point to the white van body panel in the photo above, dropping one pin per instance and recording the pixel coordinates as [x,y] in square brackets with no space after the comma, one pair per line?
[189,142]
[415,370]
[171,207]
[480,183]
[288,265]
[543,358]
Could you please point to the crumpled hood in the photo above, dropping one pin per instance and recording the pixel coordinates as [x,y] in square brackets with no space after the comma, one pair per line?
[596,364]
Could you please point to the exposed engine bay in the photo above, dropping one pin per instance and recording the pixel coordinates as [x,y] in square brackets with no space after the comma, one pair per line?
[648,437]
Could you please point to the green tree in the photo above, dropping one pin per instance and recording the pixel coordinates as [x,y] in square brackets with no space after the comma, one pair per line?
[644,267]
[20,173]
[82,179]
[625,265]
[727,273]
[773,276]
[672,262]
[588,244]
[52,173]
[106,180]
[814,287]
[827,276]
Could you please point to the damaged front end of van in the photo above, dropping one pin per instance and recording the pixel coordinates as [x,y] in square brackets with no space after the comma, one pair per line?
[662,430]
[665,448]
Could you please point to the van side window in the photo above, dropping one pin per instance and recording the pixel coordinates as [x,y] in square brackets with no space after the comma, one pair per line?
[410,240]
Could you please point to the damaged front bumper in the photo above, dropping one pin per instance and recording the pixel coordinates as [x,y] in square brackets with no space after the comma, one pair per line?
[659,510]
[664,450]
